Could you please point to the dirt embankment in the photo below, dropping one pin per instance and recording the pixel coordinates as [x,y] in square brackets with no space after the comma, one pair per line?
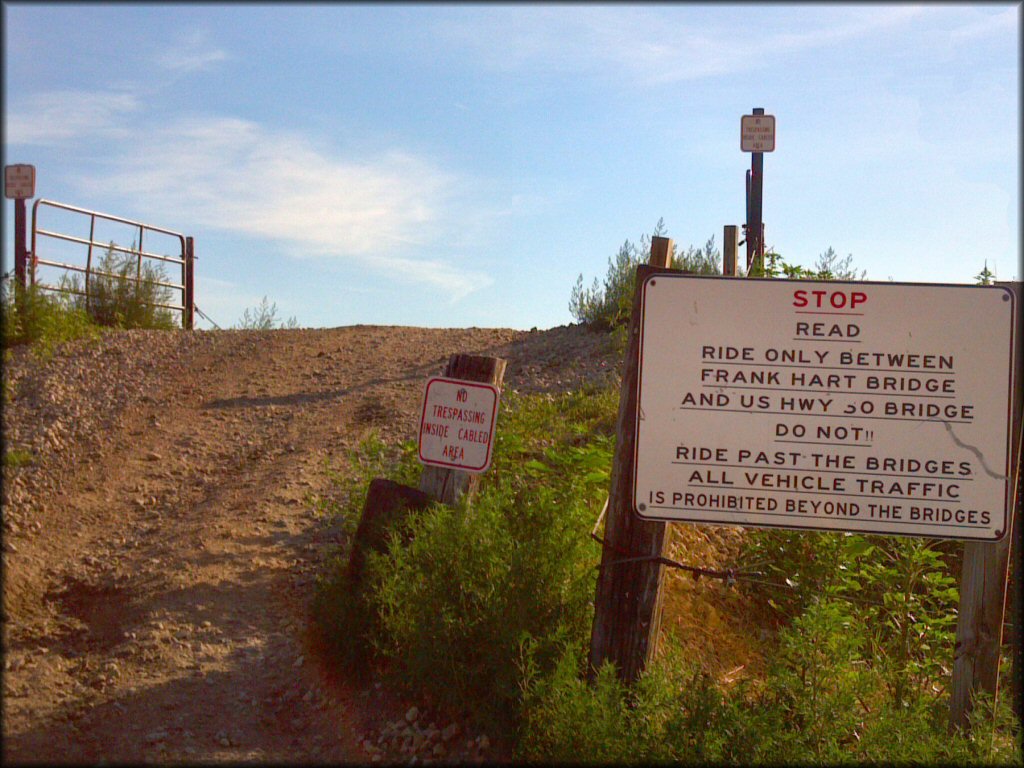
[159,548]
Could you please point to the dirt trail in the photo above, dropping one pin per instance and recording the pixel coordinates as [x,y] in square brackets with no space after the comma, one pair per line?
[158,566]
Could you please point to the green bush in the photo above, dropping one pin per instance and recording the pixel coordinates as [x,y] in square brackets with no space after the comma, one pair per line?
[828,266]
[124,292]
[46,319]
[43,320]
[263,317]
[607,306]
[343,611]
[813,707]
[488,609]
[460,589]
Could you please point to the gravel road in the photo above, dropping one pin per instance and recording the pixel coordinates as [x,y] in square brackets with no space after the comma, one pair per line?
[159,548]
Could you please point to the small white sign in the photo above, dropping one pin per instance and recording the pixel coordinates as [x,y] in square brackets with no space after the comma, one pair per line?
[862,407]
[19,182]
[757,133]
[457,426]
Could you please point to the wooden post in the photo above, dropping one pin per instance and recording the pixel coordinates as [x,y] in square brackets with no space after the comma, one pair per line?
[729,247]
[627,606]
[661,252]
[20,238]
[189,312]
[449,485]
[979,629]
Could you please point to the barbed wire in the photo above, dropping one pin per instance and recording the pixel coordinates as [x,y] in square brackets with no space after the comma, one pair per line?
[730,576]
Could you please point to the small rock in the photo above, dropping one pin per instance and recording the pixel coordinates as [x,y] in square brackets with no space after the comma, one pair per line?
[450,732]
[153,456]
[412,714]
[298,662]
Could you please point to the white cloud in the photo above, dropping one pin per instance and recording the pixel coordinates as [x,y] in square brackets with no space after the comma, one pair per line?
[193,53]
[654,45]
[55,117]
[235,175]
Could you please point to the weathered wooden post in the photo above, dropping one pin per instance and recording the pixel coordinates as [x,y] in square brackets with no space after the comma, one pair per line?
[627,606]
[979,630]
[729,248]
[19,186]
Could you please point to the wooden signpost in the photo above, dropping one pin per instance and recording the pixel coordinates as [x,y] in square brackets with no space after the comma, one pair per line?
[445,481]
[628,603]
[449,483]
[983,594]
[20,185]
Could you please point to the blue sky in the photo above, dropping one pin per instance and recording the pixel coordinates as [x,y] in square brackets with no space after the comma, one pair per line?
[454,166]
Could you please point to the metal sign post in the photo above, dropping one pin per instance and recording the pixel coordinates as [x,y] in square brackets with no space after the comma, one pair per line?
[19,185]
[757,135]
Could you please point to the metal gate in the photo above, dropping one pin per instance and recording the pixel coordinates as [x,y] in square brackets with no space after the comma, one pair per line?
[184,257]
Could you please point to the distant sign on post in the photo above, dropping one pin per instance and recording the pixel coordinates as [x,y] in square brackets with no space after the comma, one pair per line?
[863,407]
[757,133]
[19,182]
[457,426]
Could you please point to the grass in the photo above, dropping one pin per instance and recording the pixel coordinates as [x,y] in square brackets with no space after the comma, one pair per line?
[44,320]
[17,457]
[487,609]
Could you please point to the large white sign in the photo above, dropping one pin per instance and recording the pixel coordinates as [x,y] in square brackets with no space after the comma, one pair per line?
[757,133]
[19,181]
[457,425]
[864,407]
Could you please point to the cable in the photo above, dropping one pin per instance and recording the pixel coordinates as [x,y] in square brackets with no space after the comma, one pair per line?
[207,317]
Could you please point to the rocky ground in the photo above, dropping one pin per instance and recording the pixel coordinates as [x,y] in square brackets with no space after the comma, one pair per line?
[159,543]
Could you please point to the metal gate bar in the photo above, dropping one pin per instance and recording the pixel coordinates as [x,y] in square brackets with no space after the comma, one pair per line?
[186,258]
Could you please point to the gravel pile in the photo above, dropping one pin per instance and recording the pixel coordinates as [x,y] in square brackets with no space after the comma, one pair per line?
[67,404]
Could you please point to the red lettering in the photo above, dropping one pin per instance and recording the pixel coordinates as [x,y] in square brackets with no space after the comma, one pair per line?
[833,299]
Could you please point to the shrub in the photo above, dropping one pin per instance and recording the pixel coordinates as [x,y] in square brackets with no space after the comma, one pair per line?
[488,609]
[33,316]
[459,589]
[124,292]
[264,318]
[608,306]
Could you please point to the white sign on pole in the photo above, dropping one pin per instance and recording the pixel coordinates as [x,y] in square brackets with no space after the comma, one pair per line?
[457,425]
[757,133]
[19,181]
[864,407]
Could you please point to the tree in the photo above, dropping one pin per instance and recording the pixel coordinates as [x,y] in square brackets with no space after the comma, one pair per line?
[985,277]
[608,306]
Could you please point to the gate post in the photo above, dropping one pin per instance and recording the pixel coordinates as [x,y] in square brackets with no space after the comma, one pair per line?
[20,237]
[188,314]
